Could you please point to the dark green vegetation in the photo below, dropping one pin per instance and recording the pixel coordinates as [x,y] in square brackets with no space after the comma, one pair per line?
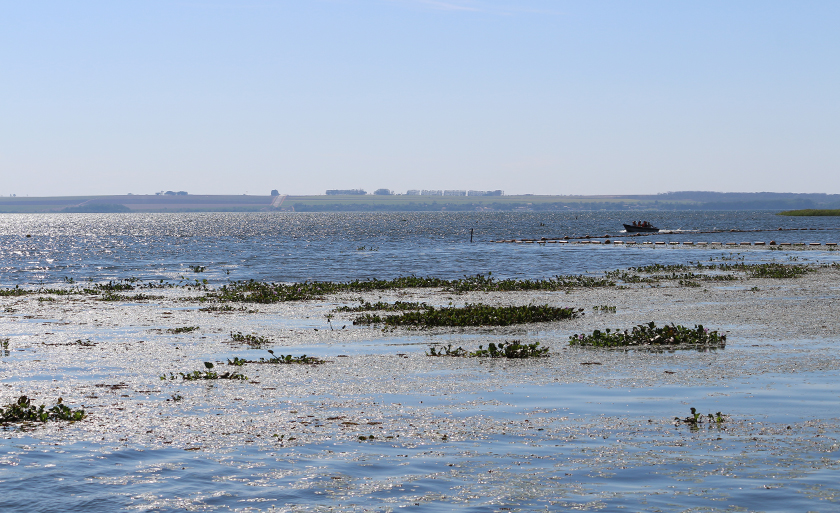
[207,374]
[24,411]
[110,296]
[197,268]
[650,335]
[183,329]
[282,359]
[381,306]
[696,419]
[778,271]
[226,309]
[811,212]
[473,315]
[250,339]
[689,275]
[259,292]
[506,349]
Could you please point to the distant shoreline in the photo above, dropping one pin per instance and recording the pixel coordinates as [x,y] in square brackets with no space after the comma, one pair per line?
[790,203]
[811,212]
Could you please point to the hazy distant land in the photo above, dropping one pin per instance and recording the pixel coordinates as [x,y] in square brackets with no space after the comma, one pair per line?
[690,200]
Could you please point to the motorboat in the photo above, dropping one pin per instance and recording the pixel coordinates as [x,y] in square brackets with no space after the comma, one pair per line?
[645,227]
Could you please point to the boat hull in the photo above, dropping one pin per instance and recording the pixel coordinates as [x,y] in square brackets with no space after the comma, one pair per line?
[629,228]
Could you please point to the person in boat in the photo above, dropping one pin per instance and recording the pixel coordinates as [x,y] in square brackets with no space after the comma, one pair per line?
[634,223]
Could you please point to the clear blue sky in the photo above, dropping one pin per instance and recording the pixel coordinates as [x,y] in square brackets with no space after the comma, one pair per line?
[528,96]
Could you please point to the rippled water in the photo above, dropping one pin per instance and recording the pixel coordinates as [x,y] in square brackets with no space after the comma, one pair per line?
[44,248]
[582,430]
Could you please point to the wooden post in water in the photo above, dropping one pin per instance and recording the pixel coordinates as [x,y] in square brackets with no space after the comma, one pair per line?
[471,234]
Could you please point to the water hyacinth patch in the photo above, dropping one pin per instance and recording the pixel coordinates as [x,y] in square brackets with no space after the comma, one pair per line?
[258,292]
[251,339]
[473,315]
[398,306]
[696,419]
[773,270]
[182,329]
[23,410]
[511,349]
[506,349]
[651,335]
[207,374]
[282,359]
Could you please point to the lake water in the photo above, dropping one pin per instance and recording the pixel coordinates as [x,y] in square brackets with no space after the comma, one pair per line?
[345,246]
[555,434]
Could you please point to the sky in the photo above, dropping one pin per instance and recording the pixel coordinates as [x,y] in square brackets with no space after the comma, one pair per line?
[527,96]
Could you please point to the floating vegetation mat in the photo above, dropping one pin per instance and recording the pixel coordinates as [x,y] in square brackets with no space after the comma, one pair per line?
[282,359]
[651,335]
[506,349]
[205,375]
[258,292]
[23,410]
[381,306]
[473,315]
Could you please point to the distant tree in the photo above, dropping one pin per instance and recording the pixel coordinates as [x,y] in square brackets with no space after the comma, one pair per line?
[275,192]
[382,192]
[182,193]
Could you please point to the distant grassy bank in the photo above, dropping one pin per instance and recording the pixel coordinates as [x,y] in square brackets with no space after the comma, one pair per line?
[811,212]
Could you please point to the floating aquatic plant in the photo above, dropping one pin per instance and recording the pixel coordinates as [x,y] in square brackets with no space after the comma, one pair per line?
[183,329]
[24,411]
[258,292]
[774,270]
[511,349]
[446,351]
[251,339]
[209,373]
[366,306]
[473,315]
[649,334]
[281,359]
[227,308]
[17,291]
[696,419]
[197,268]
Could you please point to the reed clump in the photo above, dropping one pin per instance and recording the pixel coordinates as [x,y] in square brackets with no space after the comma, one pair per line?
[651,335]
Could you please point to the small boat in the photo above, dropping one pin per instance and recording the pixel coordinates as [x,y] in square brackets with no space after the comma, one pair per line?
[629,228]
